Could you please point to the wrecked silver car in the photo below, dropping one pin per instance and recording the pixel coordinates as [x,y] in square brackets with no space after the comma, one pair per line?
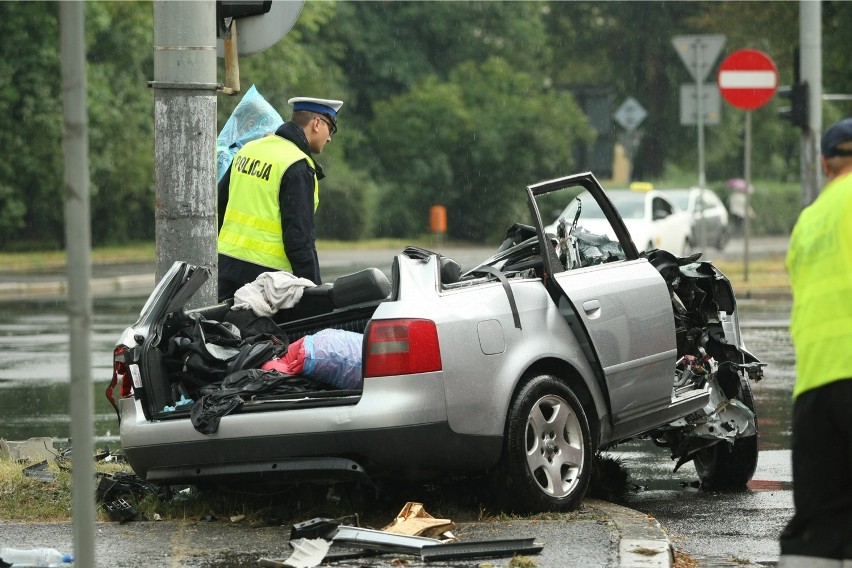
[521,368]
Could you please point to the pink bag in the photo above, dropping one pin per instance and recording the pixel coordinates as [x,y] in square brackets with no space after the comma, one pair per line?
[292,363]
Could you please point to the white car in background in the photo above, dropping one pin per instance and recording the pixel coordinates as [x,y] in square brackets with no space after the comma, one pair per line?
[708,214]
[651,216]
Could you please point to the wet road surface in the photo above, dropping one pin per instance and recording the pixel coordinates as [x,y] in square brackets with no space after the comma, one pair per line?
[730,529]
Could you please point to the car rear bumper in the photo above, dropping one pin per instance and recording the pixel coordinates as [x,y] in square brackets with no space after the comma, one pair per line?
[397,421]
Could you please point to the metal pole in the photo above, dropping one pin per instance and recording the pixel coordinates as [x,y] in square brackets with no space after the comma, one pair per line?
[699,84]
[75,149]
[810,65]
[702,178]
[747,174]
[631,153]
[185,137]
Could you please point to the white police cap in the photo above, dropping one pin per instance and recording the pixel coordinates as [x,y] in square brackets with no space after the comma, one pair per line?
[322,106]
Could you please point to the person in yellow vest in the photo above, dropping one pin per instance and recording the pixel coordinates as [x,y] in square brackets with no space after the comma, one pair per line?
[268,197]
[819,261]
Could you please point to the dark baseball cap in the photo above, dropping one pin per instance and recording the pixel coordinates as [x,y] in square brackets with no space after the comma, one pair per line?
[839,133]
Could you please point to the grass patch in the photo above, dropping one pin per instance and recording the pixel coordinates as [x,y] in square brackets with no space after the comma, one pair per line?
[764,273]
[24,498]
[52,260]
[27,499]
[46,261]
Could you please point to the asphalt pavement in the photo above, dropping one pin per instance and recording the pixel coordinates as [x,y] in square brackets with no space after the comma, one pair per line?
[602,535]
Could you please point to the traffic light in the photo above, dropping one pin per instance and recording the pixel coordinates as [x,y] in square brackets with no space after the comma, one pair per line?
[229,10]
[797,112]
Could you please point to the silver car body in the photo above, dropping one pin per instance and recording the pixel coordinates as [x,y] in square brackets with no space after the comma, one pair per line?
[605,330]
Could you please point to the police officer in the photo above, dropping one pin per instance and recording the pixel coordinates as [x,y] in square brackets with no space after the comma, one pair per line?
[819,261]
[269,196]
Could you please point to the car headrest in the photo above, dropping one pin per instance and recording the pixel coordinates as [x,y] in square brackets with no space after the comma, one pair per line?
[368,285]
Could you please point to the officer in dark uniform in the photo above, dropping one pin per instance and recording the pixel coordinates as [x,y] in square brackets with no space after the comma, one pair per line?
[268,197]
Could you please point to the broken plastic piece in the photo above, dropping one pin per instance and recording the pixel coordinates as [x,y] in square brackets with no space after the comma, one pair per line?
[480,549]
[379,540]
[307,553]
[314,528]
[39,471]
[120,511]
[320,527]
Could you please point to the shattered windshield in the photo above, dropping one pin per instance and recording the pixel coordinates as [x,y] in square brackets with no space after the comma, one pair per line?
[582,235]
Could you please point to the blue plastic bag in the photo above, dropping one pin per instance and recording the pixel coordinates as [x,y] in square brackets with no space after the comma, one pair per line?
[253,118]
[333,356]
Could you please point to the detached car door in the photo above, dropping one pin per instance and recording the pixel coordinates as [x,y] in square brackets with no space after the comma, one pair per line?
[616,303]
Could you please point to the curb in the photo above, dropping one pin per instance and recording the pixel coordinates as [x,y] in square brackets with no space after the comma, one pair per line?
[642,540]
[97,287]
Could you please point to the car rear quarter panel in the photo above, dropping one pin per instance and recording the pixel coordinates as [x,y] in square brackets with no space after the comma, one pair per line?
[479,380]
[483,353]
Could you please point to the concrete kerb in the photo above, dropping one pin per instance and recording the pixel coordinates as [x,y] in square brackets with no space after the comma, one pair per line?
[642,541]
[98,287]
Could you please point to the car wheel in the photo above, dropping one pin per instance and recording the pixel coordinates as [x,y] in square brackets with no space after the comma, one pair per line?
[727,467]
[547,456]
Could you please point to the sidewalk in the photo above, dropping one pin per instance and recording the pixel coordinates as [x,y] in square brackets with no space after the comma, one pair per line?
[138,277]
[603,535]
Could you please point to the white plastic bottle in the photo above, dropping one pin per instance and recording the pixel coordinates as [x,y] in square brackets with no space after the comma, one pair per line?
[34,557]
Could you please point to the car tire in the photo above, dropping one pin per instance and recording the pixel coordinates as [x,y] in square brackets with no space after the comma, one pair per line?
[727,467]
[547,457]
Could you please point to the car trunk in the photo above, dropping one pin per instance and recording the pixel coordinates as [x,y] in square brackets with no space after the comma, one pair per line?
[173,377]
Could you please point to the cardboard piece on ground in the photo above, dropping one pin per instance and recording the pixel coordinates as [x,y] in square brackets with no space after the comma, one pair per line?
[415,521]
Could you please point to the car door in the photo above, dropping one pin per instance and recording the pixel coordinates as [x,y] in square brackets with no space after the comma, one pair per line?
[618,306]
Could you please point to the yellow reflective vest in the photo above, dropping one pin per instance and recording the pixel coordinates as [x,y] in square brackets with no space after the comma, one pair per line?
[819,261]
[251,229]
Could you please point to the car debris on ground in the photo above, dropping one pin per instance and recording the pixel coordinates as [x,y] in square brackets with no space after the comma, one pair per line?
[320,539]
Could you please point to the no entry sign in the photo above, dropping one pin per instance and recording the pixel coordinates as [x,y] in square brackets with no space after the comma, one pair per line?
[747,79]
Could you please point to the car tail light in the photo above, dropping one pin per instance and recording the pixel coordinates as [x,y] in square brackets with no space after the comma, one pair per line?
[401,347]
[120,377]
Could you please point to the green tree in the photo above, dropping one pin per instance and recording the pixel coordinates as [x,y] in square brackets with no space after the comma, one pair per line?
[837,45]
[472,144]
[391,46]
[31,133]
[120,124]
[121,121]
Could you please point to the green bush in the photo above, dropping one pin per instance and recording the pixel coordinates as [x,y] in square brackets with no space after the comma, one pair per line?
[776,206]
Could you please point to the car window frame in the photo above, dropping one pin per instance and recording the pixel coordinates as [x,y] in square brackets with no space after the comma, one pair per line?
[589,182]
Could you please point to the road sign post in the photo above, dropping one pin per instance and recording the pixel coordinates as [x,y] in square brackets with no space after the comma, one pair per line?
[748,80]
[630,115]
[698,53]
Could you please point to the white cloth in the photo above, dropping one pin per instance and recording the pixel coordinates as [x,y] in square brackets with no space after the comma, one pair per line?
[270,292]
